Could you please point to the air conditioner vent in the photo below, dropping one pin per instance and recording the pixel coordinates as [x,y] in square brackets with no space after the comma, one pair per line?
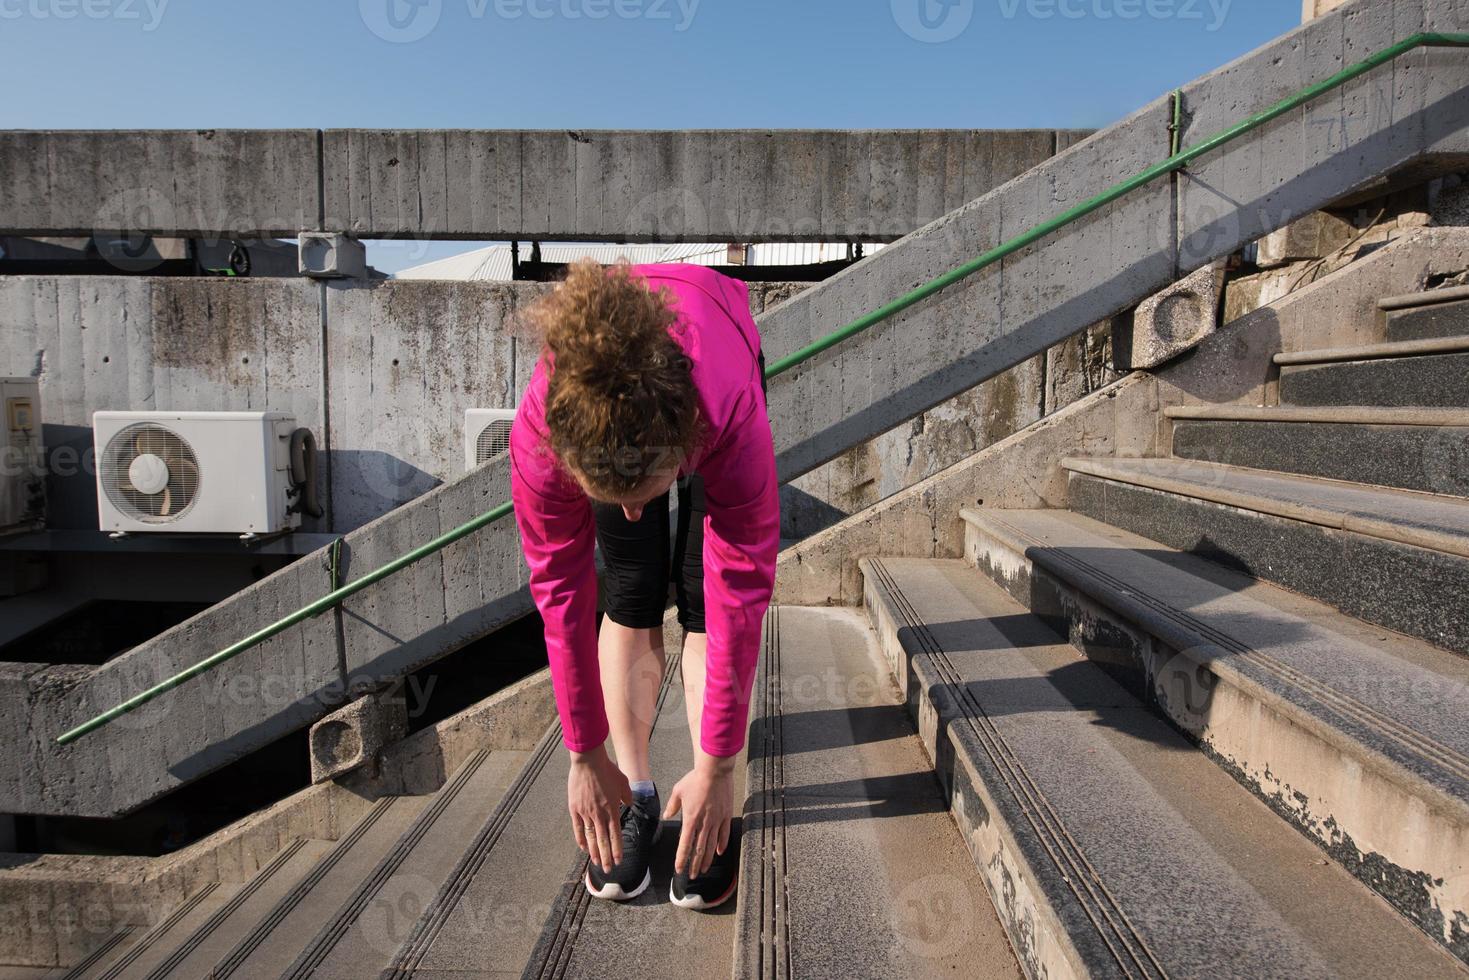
[493,440]
[150,473]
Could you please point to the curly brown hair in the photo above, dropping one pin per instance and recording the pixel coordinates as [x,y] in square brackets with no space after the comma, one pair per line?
[621,406]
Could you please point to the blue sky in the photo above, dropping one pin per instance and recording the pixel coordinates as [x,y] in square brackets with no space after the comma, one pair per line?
[610,63]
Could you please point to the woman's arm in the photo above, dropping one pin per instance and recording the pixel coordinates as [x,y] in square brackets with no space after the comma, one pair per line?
[741,541]
[558,538]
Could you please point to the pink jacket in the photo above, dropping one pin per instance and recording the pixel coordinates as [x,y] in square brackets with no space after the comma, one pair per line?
[741,530]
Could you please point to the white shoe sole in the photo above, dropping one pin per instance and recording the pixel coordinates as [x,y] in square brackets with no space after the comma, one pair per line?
[612,891]
[698,903]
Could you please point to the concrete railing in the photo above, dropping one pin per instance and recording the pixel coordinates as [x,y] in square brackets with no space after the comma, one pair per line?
[614,185]
[1408,114]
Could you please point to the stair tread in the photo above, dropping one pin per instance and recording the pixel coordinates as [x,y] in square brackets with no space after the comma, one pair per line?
[1329,414]
[281,932]
[147,950]
[649,935]
[1367,352]
[1427,520]
[851,865]
[362,936]
[1355,684]
[488,908]
[1221,890]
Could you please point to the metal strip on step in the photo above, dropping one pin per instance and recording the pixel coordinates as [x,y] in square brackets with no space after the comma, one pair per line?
[326,941]
[1133,956]
[1345,707]
[221,914]
[159,931]
[291,900]
[426,929]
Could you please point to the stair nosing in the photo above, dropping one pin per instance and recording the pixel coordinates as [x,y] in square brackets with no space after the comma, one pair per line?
[1172,624]
[159,931]
[331,934]
[220,915]
[1117,471]
[1076,872]
[1373,352]
[1323,415]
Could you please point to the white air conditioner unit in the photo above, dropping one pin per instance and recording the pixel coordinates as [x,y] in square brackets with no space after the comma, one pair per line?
[486,434]
[240,473]
[22,458]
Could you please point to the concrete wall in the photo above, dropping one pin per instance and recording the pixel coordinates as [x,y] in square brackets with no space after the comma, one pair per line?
[1409,114]
[930,353]
[617,185]
[382,372]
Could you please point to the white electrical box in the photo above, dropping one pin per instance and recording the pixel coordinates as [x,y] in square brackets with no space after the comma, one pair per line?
[22,457]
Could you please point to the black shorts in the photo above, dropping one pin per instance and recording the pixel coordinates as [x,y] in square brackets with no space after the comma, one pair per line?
[639,558]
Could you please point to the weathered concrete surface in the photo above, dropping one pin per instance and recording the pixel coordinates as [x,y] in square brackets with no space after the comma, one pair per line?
[1311,237]
[624,185]
[352,736]
[1172,321]
[244,183]
[1234,366]
[848,395]
[54,909]
[695,185]
[417,353]
[1038,297]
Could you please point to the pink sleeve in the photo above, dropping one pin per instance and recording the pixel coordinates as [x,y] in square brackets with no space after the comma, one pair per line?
[741,540]
[558,537]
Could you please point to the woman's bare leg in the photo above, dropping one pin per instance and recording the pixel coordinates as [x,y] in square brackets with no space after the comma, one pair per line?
[692,665]
[632,663]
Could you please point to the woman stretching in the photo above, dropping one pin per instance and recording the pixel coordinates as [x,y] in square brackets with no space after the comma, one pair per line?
[651,375]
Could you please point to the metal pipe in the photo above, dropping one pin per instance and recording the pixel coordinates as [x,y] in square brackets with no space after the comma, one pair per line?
[1175,162]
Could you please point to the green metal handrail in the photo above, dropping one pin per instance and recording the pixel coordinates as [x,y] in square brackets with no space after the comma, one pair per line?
[1177,161]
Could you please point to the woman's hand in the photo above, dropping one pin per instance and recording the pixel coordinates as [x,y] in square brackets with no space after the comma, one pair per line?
[595,792]
[706,798]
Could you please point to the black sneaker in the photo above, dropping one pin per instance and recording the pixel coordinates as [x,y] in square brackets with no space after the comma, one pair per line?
[641,825]
[715,886]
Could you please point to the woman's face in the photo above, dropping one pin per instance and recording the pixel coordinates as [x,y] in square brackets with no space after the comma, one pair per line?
[633,503]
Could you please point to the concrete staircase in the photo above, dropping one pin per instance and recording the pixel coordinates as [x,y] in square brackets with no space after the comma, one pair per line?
[321,908]
[930,352]
[1088,680]
[1208,721]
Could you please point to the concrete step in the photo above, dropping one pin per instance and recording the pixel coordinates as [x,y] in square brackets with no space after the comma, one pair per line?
[360,937]
[485,916]
[648,936]
[1112,847]
[1424,449]
[1433,313]
[1392,557]
[850,865]
[137,952]
[1430,373]
[278,935]
[196,953]
[1353,735]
